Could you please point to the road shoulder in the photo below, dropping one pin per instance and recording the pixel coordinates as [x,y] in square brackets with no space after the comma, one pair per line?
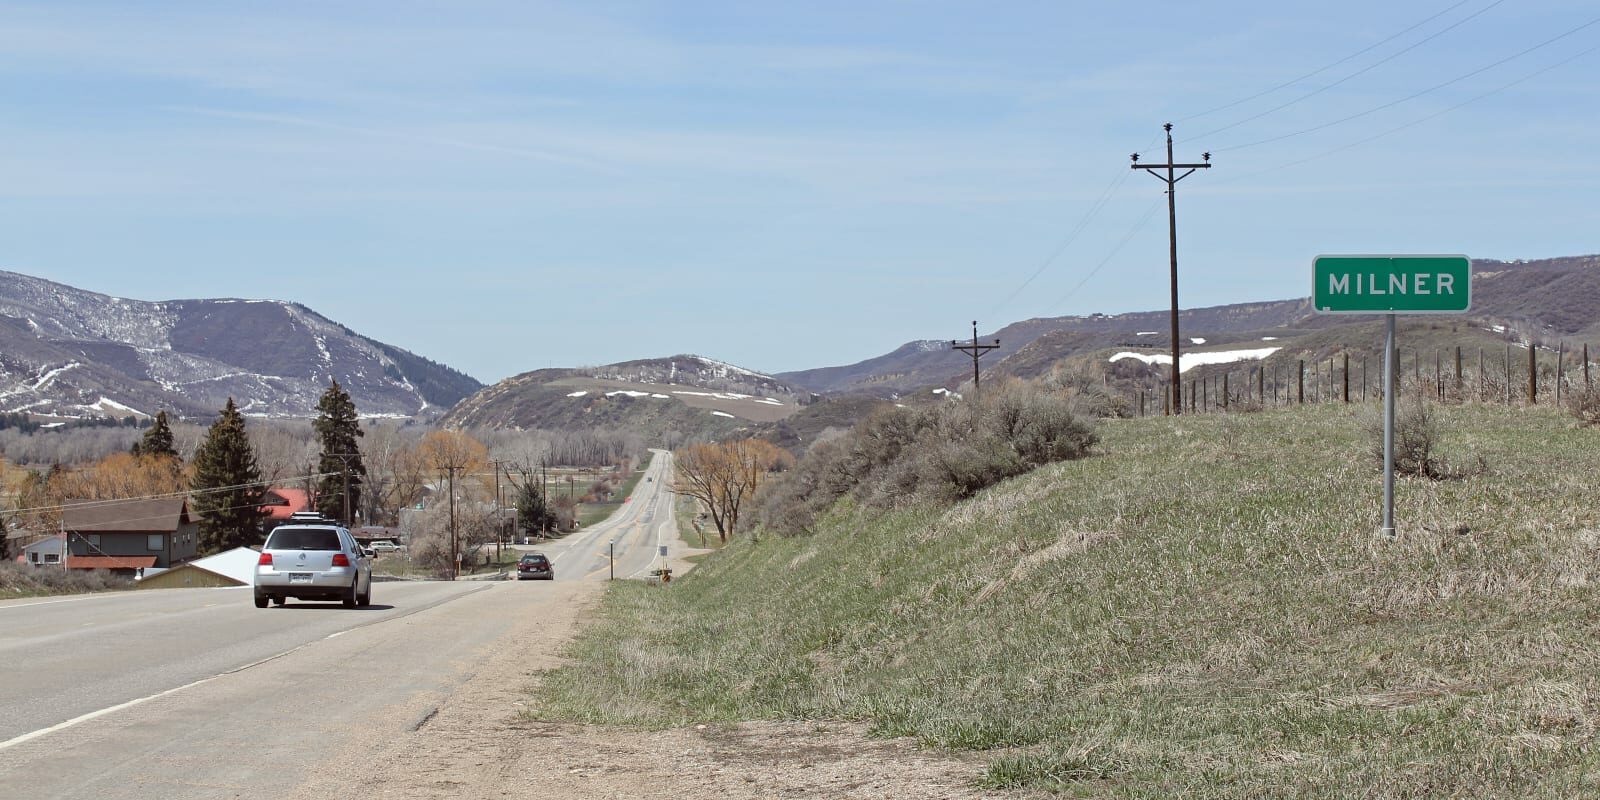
[476,742]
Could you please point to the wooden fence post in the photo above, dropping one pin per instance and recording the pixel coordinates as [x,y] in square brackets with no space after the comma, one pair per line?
[1300,382]
[1482,379]
[1363,379]
[1224,391]
[1439,375]
[1458,373]
[1346,376]
[1533,375]
[1561,350]
[1508,373]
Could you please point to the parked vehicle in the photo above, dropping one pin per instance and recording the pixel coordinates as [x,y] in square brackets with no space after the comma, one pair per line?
[311,558]
[385,546]
[535,565]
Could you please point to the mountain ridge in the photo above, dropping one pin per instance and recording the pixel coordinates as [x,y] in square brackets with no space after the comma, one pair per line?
[65,350]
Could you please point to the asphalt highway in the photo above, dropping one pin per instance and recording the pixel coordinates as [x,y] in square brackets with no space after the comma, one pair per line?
[175,693]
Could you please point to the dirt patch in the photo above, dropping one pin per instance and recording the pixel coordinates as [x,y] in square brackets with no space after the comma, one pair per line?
[476,742]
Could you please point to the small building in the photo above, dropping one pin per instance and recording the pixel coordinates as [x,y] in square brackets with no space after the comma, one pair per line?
[43,552]
[236,567]
[129,535]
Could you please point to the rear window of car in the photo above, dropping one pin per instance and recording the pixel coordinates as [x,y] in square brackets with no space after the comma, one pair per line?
[533,559]
[304,539]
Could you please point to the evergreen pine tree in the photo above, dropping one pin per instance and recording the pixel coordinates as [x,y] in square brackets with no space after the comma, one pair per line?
[531,510]
[339,432]
[230,517]
[157,440]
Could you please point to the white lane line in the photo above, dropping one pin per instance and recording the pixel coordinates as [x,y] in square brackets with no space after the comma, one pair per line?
[82,718]
[27,737]
[53,602]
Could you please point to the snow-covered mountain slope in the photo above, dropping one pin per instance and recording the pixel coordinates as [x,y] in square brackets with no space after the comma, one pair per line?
[75,353]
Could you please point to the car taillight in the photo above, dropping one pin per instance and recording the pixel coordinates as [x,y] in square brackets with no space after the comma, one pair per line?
[265,560]
[341,560]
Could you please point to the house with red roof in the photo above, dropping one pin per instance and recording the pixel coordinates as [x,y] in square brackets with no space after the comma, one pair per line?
[280,504]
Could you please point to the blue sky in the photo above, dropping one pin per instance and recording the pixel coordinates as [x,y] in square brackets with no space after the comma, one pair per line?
[511,186]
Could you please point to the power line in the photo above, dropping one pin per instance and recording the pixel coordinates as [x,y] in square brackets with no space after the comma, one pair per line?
[1524,79]
[1322,69]
[1083,223]
[167,495]
[1357,73]
[1094,209]
[1149,213]
[1415,95]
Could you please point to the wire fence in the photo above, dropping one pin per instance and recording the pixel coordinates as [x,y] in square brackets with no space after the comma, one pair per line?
[1516,375]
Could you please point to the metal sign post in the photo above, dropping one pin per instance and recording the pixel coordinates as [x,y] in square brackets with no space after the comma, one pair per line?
[1410,284]
[1388,425]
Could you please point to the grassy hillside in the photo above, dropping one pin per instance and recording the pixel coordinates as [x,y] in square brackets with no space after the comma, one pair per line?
[1202,610]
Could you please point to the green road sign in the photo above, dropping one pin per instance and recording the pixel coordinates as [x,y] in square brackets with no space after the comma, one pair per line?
[1391,284]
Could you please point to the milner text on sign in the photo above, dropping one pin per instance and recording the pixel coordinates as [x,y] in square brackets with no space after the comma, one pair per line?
[1391,284]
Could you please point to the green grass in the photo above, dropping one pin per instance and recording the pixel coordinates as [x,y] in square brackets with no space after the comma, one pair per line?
[1203,610]
[685,510]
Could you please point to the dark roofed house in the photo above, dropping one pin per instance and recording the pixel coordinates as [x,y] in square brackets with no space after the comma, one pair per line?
[129,535]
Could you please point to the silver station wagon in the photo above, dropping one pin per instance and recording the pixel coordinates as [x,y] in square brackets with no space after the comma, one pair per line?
[311,558]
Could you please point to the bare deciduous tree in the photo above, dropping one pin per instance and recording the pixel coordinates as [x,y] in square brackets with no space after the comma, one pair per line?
[723,476]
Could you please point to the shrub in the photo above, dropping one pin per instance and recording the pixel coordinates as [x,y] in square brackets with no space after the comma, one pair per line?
[27,580]
[1585,405]
[941,454]
[1415,436]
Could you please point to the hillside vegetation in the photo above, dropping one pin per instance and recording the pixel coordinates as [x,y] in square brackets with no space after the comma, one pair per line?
[1203,609]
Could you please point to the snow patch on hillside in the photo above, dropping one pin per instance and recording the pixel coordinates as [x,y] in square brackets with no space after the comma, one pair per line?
[1192,360]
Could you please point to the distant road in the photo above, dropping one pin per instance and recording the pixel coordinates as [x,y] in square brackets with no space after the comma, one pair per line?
[643,523]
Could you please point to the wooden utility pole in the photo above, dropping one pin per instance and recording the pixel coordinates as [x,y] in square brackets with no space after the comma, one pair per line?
[975,350]
[455,556]
[1171,180]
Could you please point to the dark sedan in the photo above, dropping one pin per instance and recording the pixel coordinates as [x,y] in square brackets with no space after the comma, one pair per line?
[535,565]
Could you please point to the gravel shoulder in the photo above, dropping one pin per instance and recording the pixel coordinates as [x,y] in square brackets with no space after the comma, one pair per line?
[476,742]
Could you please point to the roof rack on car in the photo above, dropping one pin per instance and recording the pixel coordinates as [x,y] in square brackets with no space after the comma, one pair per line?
[311,517]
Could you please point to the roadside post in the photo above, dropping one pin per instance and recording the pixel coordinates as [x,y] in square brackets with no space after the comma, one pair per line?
[613,558]
[1390,285]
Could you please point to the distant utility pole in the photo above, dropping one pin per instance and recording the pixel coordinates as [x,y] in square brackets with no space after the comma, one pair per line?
[455,557]
[1172,228]
[976,351]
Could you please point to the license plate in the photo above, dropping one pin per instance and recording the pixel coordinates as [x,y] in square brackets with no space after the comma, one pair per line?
[299,577]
